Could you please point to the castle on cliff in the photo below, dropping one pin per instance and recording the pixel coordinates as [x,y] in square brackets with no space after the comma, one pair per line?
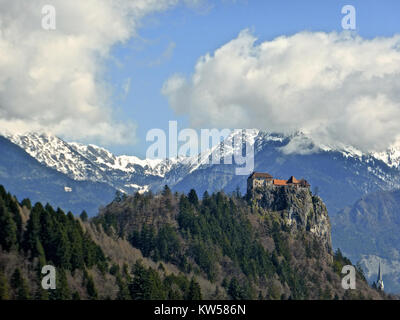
[260,179]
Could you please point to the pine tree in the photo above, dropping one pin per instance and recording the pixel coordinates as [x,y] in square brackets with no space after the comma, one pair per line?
[77,256]
[12,204]
[84,216]
[123,293]
[32,233]
[91,288]
[139,283]
[20,285]
[166,191]
[4,290]
[114,270]
[234,289]
[2,192]
[161,267]
[62,291]
[192,196]
[8,228]
[26,203]
[41,254]
[70,217]
[194,290]
[63,252]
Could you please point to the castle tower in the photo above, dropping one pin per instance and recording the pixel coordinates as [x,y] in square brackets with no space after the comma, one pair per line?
[379,284]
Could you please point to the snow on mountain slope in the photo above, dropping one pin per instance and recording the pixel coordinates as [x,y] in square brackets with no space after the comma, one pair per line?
[90,162]
[58,154]
[224,150]
[105,160]
[391,156]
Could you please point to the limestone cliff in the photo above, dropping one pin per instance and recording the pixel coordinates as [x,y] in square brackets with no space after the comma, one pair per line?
[297,209]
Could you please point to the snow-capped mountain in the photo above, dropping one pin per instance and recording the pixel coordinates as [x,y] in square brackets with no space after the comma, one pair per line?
[92,163]
[83,162]
[333,170]
[127,173]
[59,155]
[25,177]
[107,161]
[342,175]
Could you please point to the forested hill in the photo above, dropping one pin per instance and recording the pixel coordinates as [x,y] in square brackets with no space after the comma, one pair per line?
[272,244]
[89,264]
[268,245]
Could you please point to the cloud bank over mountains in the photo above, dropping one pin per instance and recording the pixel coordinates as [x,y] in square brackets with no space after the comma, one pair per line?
[53,80]
[337,88]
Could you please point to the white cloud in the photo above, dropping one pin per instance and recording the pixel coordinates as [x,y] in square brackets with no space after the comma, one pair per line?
[337,88]
[52,80]
[300,144]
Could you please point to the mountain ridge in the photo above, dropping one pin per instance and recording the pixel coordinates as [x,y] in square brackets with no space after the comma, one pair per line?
[25,177]
[347,171]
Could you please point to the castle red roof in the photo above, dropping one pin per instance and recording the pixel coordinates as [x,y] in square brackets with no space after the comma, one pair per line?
[279,182]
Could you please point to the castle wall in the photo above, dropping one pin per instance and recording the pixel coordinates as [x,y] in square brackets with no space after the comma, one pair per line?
[260,183]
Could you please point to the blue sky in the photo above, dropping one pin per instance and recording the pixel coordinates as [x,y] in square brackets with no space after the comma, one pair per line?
[172,41]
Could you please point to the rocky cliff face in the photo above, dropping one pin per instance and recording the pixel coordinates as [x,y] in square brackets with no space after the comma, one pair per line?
[298,209]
